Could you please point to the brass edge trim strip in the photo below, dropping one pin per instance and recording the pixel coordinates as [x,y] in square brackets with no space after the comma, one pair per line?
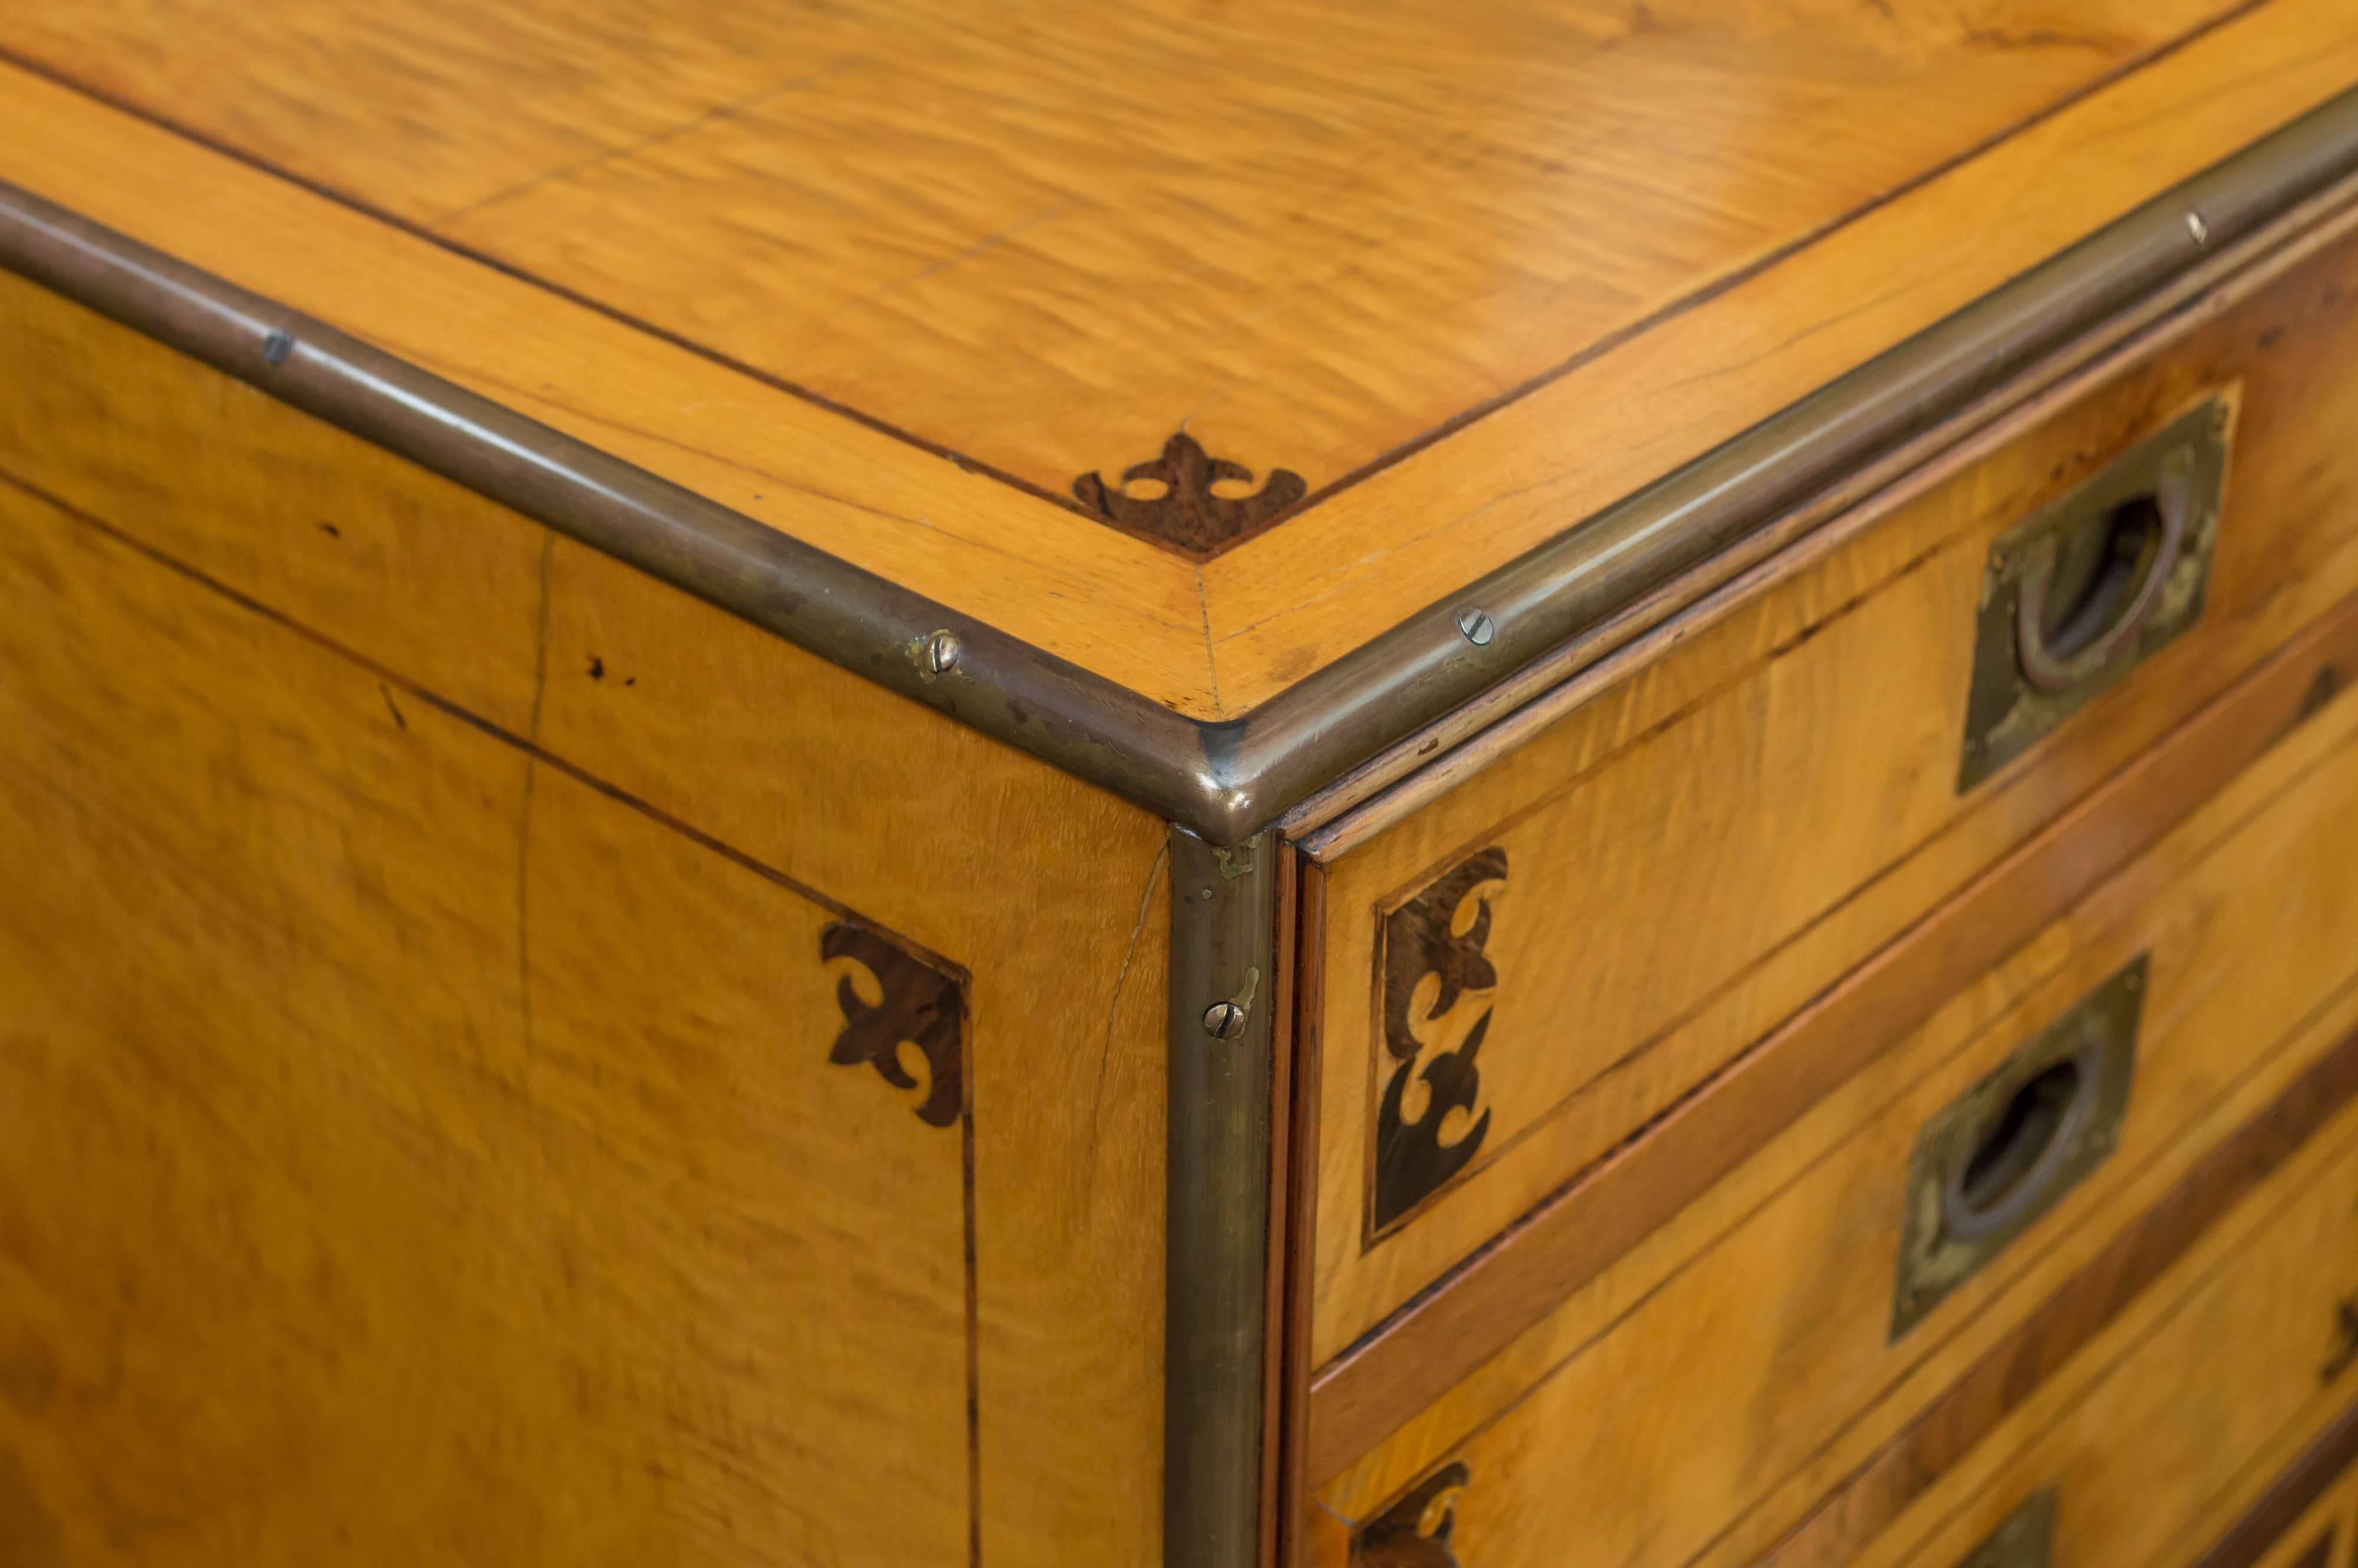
[1060,713]
[1224,951]
[1225,781]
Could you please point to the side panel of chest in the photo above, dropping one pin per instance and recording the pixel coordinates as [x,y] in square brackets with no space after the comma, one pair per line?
[532,1069]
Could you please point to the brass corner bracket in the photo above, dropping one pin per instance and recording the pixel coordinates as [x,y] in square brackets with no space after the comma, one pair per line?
[1188,512]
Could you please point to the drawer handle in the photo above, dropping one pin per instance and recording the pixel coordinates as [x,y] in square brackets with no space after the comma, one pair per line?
[2119,562]
[2011,1161]
[1988,1165]
[2079,591]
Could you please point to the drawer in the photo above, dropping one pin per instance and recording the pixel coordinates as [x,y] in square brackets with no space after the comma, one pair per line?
[2180,1411]
[1514,979]
[1802,1323]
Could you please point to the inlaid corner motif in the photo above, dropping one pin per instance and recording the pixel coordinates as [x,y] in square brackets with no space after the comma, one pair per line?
[1433,963]
[1188,512]
[1414,1531]
[919,1006]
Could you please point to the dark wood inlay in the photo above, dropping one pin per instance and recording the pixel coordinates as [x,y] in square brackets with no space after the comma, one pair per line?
[1414,1531]
[1908,1465]
[920,1006]
[1431,1345]
[1188,511]
[1420,938]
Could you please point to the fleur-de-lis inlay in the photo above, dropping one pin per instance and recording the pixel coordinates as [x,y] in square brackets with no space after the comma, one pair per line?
[918,1005]
[1420,938]
[1187,513]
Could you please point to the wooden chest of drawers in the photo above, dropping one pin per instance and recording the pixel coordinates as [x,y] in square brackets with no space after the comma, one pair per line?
[1276,787]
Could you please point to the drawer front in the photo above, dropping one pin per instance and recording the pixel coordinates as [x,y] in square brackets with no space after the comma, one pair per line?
[2209,993]
[1518,976]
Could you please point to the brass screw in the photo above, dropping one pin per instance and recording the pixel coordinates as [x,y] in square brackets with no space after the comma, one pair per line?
[1475,626]
[941,651]
[1224,1020]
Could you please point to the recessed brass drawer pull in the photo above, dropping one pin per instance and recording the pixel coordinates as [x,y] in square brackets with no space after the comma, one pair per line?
[2114,566]
[2079,592]
[1990,1163]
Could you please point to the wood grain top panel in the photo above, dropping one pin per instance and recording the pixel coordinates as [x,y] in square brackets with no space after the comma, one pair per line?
[1047,238]
[1293,600]
[1306,233]
[797,263]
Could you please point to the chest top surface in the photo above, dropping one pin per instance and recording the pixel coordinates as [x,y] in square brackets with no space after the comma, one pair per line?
[1195,344]
[1049,238]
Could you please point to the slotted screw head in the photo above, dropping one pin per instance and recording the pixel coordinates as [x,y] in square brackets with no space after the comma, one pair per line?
[942,652]
[1224,1020]
[1477,626]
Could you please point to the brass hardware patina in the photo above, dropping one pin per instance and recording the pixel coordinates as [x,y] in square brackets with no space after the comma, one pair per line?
[1989,1164]
[2024,1539]
[1414,1531]
[2082,591]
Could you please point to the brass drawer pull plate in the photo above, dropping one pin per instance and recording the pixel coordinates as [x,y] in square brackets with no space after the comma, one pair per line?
[2078,594]
[2024,1539]
[1986,1166]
